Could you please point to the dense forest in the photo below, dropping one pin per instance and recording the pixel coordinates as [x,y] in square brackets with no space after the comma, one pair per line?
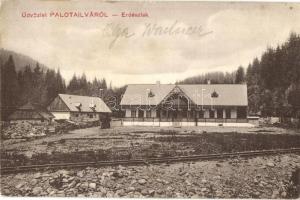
[273,80]
[37,85]
[236,77]
[273,83]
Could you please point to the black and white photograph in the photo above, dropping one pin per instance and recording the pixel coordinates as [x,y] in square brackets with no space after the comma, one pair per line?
[150,99]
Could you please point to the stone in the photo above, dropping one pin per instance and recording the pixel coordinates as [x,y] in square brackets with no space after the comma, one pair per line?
[84,185]
[21,184]
[270,164]
[80,174]
[144,192]
[121,192]
[34,182]
[109,194]
[6,191]
[36,191]
[117,174]
[283,194]
[52,193]
[49,190]
[19,176]
[78,185]
[92,186]
[169,188]
[46,175]
[218,165]
[63,172]
[159,191]
[142,181]
[96,195]
[203,181]
[37,175]
[65,180]
[159,180]
[188,183]
[256,194]
[182,173]
[275,193]
[151,192]
[72,184]
[130,189]
[103,190]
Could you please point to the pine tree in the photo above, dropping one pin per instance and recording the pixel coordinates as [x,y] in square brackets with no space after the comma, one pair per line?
[240,75]
[9,87]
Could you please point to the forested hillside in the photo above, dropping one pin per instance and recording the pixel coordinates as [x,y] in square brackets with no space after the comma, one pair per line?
[41,85]
[235,77]
[20,60]
[273,80]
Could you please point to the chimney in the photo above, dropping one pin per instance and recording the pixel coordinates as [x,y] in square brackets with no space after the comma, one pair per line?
[208,82]
[158,83]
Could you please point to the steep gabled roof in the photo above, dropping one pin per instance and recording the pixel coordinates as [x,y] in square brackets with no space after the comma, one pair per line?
[85,102]
[227,94]
[30,111]
[137,94]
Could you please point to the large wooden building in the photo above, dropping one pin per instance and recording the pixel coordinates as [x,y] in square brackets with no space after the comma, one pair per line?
[169,104]
[31,112]
[78,108]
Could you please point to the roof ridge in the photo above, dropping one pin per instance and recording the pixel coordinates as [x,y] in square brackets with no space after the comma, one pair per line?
[187,84]
[150,84]
[79,95]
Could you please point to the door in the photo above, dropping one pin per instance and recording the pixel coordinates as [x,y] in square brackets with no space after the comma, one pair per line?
[220,113]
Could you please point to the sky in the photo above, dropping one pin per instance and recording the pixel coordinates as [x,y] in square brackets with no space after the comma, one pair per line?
[198,37]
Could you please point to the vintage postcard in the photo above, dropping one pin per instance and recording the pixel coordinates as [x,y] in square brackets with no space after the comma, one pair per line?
[150,99]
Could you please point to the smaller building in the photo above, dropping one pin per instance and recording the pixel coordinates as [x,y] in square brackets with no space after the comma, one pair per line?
[78,108]
[31,112]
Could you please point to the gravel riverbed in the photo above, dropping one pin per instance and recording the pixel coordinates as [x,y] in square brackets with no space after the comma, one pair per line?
[261,177]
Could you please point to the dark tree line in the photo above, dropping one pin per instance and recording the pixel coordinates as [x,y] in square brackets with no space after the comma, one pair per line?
[274,80]
[36,86]
[79,85]
[236,77]
[41,87]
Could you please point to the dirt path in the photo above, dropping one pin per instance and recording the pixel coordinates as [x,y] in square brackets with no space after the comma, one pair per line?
[123,131]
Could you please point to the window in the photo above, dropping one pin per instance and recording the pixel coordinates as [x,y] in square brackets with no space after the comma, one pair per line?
[148,113]
[164,114]
[141,113]
[219,113]
[211,114]
[241,112]
[228,113]
[133,113]
[91,115]
[201,114]
[76,115]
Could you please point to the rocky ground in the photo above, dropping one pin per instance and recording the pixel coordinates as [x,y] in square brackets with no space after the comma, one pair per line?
[23,130]
[261,177]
